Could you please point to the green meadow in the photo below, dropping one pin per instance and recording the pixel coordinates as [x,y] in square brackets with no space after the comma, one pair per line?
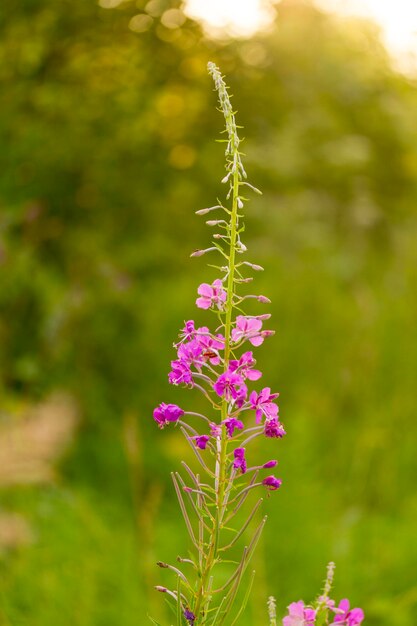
[108,130]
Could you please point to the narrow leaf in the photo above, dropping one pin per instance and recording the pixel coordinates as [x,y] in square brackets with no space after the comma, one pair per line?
[245,599]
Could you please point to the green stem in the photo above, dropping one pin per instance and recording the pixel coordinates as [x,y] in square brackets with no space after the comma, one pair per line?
[221,462]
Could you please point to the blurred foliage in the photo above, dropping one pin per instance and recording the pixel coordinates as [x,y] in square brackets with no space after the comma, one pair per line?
[108,125]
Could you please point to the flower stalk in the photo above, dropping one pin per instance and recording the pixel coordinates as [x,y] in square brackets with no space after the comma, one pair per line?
[218,364]
[211,363]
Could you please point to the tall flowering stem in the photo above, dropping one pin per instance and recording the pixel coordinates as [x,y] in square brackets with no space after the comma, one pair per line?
[235,173]
[218,364]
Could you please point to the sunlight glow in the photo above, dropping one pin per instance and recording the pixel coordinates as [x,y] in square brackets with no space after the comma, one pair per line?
[243,18]
[239,18]
[397,18]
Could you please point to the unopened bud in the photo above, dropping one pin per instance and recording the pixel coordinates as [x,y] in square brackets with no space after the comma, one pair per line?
[214,222]
[268,333]
[239,203]
[270,464]
[252,187]
[226,178]
[257,268]
[201,252]
[180,559]
[264,299]
[240,247]
[208,209]
[161,589]
[160,564]
[264,317]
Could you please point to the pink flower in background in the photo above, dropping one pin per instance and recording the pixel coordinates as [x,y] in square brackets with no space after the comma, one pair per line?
[263,405]
[298,615]
[347,617]
[211,295]
[167,413]
[248,328]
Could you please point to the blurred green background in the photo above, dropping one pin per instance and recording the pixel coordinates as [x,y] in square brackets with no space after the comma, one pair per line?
[108,126]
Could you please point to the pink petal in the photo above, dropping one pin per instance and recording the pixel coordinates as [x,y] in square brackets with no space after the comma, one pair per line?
[253,374]
[265,394]
[310,615]
[296,609]
[236,334]
[254,324]
[357,616]
[241,322]
[203,303]
[272,409]
[205,290]
[256,341]
[344,605]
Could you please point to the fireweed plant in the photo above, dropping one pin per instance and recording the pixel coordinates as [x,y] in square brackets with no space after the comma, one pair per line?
[219,363]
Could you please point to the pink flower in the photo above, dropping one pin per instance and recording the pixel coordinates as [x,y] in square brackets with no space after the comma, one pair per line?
[244,365]
[201,441]
[263,404]
[215,429]
[211,295]
[272,483]
[348,617]
[188,332]
[241,396]
[191,353]
[231,424]
[167,413]
[230,386]
[299,615]
[180,373]
[240,461]
[210,344]
[274,428]
[248,328]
